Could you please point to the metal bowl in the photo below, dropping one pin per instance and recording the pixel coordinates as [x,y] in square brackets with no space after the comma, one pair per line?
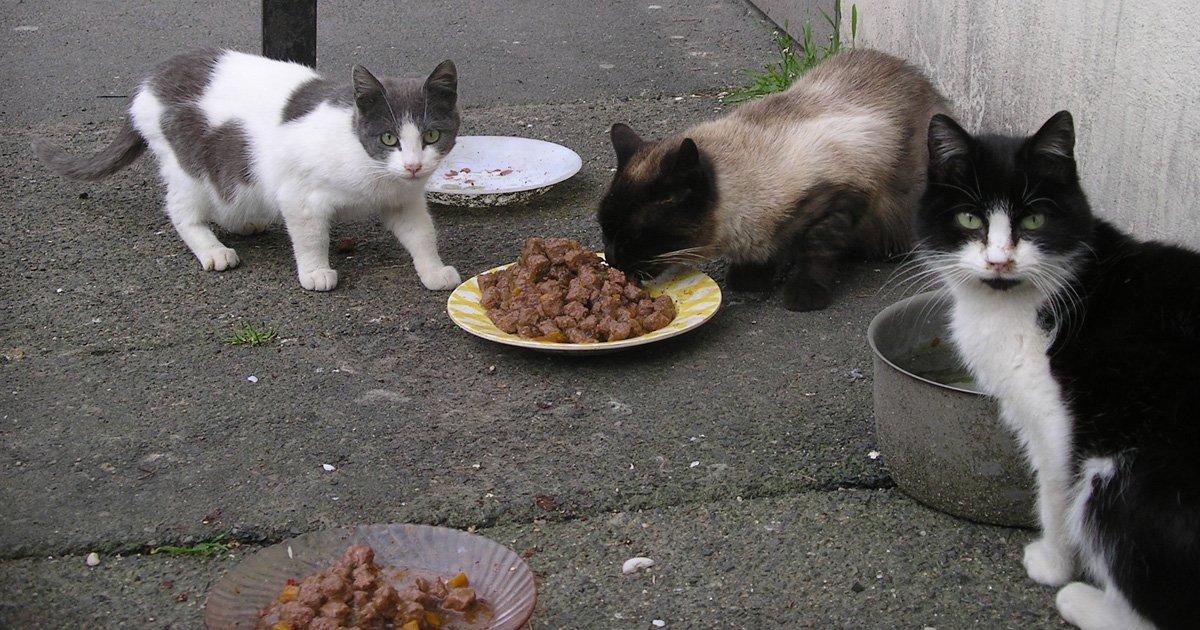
[941,438]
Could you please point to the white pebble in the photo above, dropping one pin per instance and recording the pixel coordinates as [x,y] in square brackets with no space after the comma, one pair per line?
[635,564]
[694,464]
[873,454]
[658,623]
[252,379]
[93,559]
[328,467]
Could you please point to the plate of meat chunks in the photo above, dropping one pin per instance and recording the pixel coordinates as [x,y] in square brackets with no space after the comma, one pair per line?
[561,297]
[376,577]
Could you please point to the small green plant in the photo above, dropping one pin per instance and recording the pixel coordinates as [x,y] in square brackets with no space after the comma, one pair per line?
[796,58]
[210,547]
[251,335]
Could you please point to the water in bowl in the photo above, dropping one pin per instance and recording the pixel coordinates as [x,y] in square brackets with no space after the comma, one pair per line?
[935,360]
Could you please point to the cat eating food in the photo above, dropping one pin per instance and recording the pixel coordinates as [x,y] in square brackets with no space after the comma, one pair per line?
[833,165]
[1089,340]
[243,141]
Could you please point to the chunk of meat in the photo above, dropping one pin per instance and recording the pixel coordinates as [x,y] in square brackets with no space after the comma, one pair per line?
[296,614]
[361,555]
[459,599]
[335,610]
[558,291]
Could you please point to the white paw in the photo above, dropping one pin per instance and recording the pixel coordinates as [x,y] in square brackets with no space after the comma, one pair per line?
[1048,564]
[1079,604]
[218,259]
[319,279]
[442,279]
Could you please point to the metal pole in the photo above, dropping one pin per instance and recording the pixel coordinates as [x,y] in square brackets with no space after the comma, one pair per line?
[289,30]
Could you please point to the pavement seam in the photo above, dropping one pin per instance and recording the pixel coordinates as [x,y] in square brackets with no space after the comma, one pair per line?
[873,484]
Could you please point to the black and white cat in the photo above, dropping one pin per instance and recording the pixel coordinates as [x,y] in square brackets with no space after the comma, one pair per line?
[1090,340]
[243,141]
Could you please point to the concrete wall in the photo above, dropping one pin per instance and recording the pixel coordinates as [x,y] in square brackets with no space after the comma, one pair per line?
[1128,71]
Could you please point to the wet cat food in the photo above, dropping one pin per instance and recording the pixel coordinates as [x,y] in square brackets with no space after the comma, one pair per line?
[356,593]
[560,292]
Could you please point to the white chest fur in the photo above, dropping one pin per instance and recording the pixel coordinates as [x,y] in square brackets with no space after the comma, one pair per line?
[998,336]
[999,339]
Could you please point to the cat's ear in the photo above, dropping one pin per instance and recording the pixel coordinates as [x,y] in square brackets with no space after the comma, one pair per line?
[684,160]
[1056,138]
[368,91]
[949,147]
[1050,153]
[625,142]
[443,81]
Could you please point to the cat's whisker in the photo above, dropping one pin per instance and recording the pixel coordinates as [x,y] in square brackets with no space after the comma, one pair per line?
[970,195]
[921,266]
[689,255]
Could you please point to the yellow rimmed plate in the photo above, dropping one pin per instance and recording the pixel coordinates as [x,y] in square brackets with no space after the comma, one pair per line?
[697,298]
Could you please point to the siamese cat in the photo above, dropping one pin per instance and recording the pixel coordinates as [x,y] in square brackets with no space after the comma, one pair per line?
[834,165]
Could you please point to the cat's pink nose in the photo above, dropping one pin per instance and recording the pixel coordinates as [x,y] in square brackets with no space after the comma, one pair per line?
[1000,265]
[413,168]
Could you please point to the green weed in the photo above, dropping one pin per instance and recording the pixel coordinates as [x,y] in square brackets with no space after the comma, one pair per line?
[796,57]
[252,335]
[211,547]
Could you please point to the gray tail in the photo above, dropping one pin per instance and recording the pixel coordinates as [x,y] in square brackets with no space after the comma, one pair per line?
[126,148]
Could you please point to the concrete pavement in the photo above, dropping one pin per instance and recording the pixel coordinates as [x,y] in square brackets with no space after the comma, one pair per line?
[126,422]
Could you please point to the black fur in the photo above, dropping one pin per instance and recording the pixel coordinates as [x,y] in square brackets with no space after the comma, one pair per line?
[821,234]
[1126,354]
[1131,366]
[642,218]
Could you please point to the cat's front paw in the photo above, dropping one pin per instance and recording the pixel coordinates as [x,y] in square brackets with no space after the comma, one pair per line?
[1083,605]
[1046,563]
[442,279]
[218,259]
[751,278]
[806,295]
[319,279]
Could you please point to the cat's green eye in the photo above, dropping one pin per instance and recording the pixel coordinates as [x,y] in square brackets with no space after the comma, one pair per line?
[969,221]
[389,139]
[431,136]
[1033,221]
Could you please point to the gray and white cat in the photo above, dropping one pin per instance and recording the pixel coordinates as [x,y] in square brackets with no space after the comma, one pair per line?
[243,141]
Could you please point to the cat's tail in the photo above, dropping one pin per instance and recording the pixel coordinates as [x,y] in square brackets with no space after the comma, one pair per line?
[126,148]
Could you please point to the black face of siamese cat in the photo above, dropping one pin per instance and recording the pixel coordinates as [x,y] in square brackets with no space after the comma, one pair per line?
[659,205]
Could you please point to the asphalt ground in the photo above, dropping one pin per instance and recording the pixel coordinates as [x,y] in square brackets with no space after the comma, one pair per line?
[738,456]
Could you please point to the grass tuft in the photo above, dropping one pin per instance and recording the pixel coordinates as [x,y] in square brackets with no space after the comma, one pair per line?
[216,545]
[252,335]
[796,57]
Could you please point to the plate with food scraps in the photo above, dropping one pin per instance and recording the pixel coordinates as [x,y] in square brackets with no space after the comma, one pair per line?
[411,577]
[486,171]
[695,296]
